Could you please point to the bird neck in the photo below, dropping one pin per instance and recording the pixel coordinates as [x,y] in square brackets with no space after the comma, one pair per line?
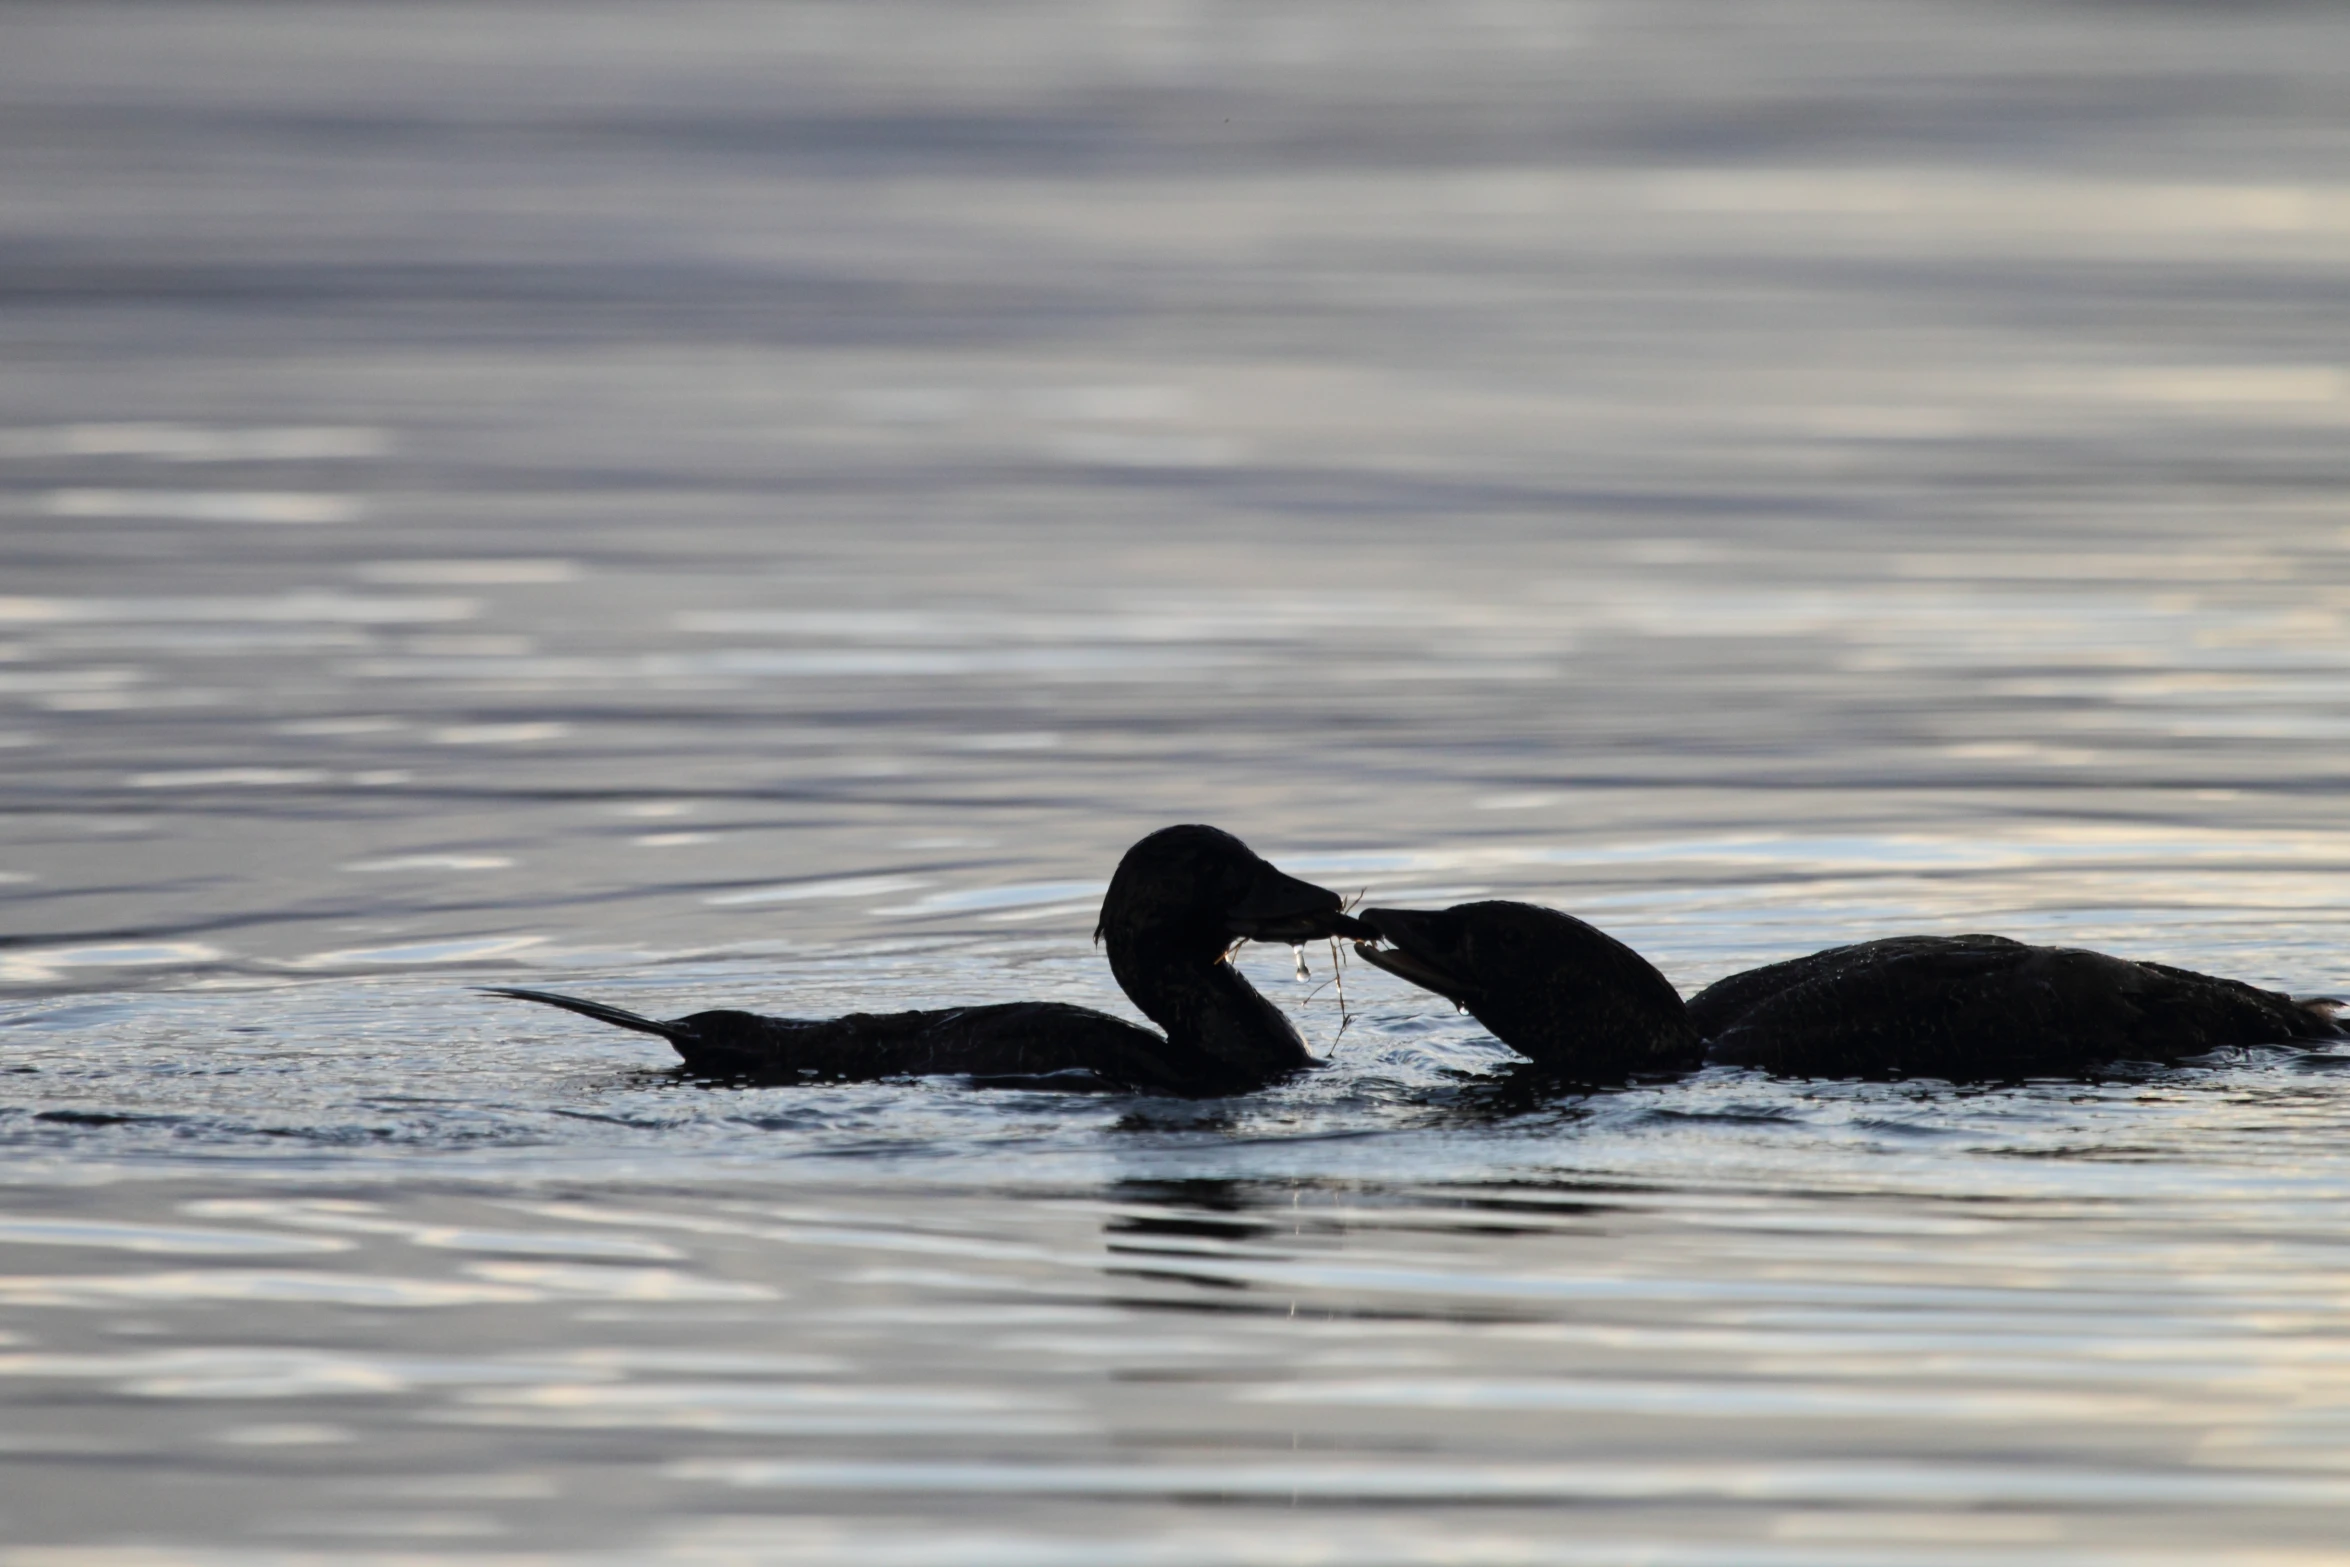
[1602,1017]
[1181,981]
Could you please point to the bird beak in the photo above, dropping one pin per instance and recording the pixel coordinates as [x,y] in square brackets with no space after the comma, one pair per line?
[1412,950]
[1282,908]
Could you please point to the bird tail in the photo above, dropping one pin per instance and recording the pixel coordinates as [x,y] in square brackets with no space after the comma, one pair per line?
[2327,1011]
[618,1017]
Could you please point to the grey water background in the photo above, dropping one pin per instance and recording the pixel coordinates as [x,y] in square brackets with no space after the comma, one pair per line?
[761,504]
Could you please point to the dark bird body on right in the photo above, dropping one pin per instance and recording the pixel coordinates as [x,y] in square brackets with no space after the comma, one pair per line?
[1588,1009]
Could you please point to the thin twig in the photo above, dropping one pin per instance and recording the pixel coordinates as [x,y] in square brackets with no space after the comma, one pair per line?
[1338,978]
[1338,968]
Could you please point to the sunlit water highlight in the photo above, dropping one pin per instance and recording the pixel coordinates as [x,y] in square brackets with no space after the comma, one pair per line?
[762,508]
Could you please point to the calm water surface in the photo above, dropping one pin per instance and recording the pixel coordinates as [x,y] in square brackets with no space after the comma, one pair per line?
[761,505]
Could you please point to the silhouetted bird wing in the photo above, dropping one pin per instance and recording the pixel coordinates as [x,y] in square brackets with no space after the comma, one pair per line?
[1011,1042]
[1973,1008]
[1722,1004]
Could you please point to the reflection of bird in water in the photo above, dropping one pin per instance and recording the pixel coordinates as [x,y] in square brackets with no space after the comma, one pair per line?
[1589,1009]
[1180,900]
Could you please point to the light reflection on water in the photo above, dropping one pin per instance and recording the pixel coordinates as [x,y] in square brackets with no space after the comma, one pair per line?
[2056,1365]
[763,511]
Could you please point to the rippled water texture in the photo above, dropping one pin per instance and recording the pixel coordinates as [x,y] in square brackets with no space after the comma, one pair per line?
[760,505]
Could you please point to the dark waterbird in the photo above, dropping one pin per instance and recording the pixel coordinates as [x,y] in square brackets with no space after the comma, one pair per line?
[1585,1008]
[1182,898]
